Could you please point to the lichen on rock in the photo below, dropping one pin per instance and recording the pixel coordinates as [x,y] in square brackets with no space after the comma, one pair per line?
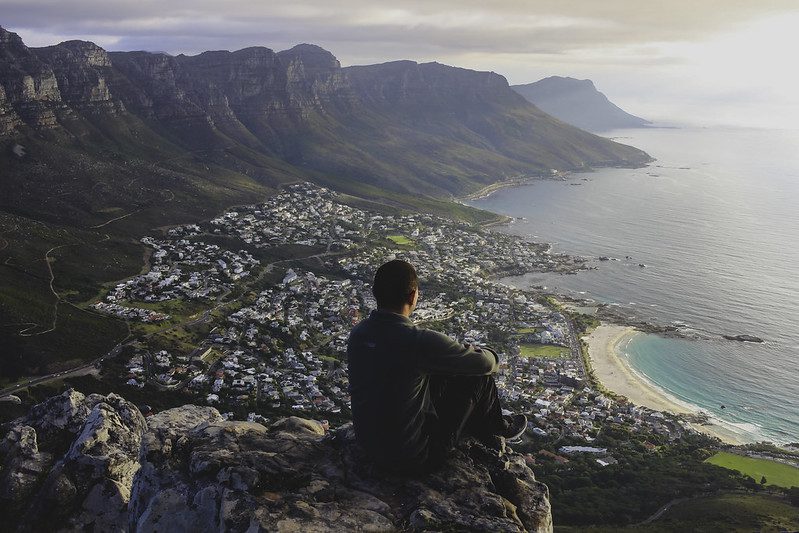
[293,476]
[93,462]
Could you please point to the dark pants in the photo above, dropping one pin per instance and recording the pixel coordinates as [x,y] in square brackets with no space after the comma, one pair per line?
[464,405]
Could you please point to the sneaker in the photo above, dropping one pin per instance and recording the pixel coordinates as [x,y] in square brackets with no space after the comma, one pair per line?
[515,426]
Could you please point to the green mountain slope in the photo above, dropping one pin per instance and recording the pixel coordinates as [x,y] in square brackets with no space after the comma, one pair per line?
[98,149]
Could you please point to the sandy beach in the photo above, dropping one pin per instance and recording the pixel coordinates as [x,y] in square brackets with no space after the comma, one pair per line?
[615,374]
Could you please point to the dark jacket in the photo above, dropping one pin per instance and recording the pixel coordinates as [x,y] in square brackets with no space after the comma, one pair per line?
[390,361]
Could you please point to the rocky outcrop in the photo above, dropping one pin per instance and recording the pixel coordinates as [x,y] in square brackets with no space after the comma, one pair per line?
[29,84]
[9,120]
[87,462]
[201,473]
[81,69]
[69,464]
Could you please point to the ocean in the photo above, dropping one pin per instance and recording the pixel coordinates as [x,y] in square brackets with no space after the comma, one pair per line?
[715,221]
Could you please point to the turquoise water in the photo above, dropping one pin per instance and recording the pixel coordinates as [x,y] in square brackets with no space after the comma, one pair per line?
[716,222]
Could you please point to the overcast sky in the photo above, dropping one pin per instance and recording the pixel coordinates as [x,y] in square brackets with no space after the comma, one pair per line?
[699,61]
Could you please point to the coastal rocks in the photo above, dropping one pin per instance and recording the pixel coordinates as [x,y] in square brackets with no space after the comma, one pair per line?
[743,338]
[199,472]
[69,463]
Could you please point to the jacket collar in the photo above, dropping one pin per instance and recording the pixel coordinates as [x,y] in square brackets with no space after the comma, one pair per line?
[380,314]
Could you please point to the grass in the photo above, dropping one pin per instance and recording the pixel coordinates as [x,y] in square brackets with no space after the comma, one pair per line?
[400,240]
[728,513]
[732,512]
[524,331]
[546,351]
[778,474]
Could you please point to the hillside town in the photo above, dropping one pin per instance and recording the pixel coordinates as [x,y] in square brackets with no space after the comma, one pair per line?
[284,348]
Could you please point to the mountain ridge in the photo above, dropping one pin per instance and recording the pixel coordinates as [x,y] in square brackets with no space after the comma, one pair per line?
[99,148]
[285,104]
[579,103]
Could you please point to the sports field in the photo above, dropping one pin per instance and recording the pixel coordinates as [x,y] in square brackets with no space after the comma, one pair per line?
[546,351]
[775,473]
[402,240]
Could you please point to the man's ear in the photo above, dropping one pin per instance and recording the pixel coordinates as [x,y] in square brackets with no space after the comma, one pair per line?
[413,297]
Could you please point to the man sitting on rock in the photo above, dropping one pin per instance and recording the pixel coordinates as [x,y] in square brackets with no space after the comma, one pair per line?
[415,391]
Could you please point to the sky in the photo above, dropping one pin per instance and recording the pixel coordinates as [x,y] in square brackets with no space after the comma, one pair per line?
[702,62]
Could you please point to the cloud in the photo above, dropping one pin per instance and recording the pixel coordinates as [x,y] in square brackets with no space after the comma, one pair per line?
[676,51]
[418,27]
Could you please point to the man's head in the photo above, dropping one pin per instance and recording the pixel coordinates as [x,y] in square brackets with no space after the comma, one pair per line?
[396,287]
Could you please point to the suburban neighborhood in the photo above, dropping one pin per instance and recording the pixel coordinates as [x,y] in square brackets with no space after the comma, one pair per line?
[282,347]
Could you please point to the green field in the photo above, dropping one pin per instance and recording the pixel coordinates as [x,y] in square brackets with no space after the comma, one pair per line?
[728,513]
[776,473]
[401,240]
[543,350]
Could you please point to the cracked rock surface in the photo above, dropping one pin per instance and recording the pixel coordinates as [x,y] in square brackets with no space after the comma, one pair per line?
[69,464]
[93,463]
[200,473]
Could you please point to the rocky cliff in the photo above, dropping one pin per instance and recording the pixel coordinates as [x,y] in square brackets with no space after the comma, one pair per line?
[98,148]
[579,103]
[423,128]
[93,462]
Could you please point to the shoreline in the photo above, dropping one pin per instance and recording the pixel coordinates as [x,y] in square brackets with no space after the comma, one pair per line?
[614,373]
[488,190]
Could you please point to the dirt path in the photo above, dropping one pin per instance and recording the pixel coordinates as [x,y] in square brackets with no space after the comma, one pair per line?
[48,261]
[115,219]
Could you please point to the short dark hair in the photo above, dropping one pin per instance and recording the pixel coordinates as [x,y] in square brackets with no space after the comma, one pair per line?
[394,281]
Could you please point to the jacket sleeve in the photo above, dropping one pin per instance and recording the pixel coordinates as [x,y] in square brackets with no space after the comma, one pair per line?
[440,354]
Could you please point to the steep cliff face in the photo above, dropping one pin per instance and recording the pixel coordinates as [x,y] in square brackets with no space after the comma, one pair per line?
[80,462]
[81,70]
[421,128]
[436,86]
[579,103]
[9,120]
[29,84]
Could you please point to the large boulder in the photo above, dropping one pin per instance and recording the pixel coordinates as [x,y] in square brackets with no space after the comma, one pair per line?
[69,464]
[93,463]
[202,473]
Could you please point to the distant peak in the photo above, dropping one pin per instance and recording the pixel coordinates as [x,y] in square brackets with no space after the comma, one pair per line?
[90,52]
[578,102]
[9,37]
[255,51]
[78,44]
[310,55]
[306,48]
[562,81]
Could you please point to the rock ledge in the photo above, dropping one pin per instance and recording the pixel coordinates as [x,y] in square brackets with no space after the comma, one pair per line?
[93,462]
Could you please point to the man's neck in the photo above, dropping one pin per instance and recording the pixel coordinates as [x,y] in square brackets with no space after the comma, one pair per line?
[404,310]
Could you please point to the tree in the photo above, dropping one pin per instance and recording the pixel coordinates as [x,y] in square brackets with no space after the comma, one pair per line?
[763,480]
[793,496]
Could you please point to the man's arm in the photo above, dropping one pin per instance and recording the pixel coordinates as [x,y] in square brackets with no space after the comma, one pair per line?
[439,354]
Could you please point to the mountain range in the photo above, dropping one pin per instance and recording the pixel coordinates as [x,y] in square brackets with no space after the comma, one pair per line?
[579,103]
[98,148]
[419,128]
